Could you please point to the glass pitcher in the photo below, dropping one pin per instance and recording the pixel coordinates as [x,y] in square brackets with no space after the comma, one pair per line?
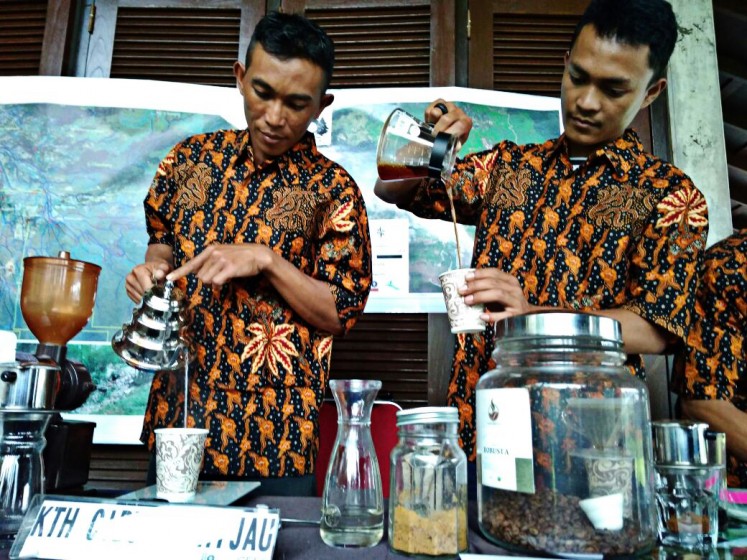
[409,149]
[21,466]
[353,499]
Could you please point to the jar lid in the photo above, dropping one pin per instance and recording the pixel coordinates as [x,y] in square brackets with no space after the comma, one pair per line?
[428,415]
[559,324]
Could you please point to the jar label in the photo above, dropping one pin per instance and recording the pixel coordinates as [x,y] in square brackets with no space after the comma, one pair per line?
[504,439]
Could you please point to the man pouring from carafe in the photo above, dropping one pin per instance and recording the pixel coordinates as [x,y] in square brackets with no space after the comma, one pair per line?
[588,221]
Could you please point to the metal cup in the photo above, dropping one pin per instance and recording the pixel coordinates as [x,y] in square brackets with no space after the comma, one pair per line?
[680,442]
[689,465]
[153,341]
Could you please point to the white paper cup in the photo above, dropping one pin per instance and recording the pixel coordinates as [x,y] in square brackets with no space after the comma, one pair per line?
[179,453]
[463,318]
[604,512]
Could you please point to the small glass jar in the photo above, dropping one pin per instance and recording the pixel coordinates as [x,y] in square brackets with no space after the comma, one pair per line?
[428,492]
[564,449]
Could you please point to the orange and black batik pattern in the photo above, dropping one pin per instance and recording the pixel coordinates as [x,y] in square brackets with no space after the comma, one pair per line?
[623,230]
[714,363]
[259,370]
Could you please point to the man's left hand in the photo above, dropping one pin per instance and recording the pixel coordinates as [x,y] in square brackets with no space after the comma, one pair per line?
[498,291]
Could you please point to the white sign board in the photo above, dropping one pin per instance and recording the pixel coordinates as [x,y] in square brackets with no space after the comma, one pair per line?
[63,528]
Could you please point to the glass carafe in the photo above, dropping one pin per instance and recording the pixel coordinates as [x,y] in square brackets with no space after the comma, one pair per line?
[408,148]
[353,499]
[21,468]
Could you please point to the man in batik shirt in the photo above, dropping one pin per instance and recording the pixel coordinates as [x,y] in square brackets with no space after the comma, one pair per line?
[588,221]
[269,240]
[711,373]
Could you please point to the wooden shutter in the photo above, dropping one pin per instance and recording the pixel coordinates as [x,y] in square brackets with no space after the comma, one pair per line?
[519,46]
[33,36]
[384,43]
[392,347]
[172,40]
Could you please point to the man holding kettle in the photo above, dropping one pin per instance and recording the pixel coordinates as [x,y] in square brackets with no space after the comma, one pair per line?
[269,240]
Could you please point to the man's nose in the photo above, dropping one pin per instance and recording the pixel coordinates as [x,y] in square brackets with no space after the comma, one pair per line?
[589,100]
[275,114]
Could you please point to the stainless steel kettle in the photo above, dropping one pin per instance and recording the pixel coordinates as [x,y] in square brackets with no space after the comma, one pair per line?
[153,340]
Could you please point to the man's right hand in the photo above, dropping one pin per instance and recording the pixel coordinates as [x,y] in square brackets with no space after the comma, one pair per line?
[454,121]
[143,276]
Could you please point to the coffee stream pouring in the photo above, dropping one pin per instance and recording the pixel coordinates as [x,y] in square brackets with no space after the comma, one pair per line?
[57,299]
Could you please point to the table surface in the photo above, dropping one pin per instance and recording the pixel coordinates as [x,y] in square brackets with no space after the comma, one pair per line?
[304,542]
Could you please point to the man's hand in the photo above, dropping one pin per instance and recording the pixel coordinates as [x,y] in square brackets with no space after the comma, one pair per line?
[498,291]
[158,263]
[218,264]
[454,121]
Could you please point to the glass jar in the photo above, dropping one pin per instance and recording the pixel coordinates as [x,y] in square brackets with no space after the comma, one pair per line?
[563,440]
[428,485]
[21,465]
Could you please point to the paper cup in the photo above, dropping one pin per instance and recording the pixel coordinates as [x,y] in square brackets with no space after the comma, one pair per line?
[463,318]
[179,453]
[604,512]
[611,474]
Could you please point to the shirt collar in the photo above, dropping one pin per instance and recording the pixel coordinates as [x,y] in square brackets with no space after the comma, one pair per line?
[621,153]
[306,145]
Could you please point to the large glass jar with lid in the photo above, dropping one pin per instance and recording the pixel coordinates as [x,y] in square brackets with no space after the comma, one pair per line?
[563,440]
[428,485]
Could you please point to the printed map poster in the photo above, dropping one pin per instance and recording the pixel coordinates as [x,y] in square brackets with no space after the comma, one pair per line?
[79,154]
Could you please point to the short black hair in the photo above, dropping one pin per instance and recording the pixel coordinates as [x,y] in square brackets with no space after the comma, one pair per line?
[287,36]
[637,23]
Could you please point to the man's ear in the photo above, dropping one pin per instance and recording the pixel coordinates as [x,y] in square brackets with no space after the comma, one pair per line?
[325,102]
[239,72]
[653,92]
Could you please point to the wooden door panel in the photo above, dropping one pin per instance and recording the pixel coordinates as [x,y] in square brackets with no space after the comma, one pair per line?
[174,40]
[383,43]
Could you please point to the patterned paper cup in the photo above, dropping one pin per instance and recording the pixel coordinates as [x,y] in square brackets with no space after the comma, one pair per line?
[179,453]
[463,318]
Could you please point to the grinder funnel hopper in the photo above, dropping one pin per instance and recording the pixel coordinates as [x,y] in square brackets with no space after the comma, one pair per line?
[57,299]
[152,340]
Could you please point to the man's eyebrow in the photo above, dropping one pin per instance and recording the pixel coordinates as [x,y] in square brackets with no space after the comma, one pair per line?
[607,81]
[302,97]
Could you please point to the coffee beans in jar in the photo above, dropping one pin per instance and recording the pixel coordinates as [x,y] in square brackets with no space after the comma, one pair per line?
[563,445]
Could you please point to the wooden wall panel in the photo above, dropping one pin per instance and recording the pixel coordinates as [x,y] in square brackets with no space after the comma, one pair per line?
[392,347]
[385,43]
[22,25]
[173,40]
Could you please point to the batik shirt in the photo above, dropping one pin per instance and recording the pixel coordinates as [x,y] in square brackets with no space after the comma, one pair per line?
[623,230]
[259,370]
[714,363]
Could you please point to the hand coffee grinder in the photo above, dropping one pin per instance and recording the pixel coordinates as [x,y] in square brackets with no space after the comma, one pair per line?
[57,299]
